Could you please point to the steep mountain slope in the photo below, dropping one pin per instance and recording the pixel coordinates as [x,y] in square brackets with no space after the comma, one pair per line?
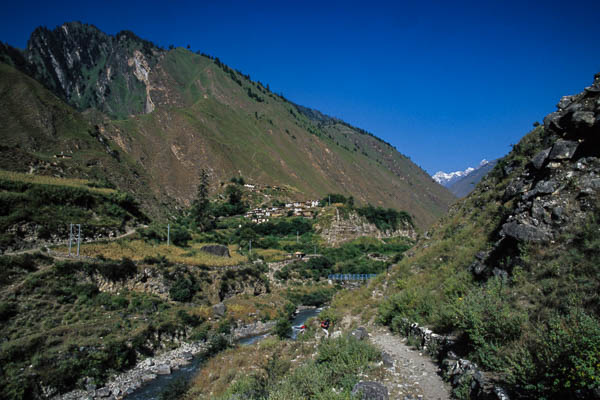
[466,184]
[512,271]
[171,113]
[42,135]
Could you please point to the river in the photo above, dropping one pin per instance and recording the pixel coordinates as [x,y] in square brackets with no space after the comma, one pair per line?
[152,389]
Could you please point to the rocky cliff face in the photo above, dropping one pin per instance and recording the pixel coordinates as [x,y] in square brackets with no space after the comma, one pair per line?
[343,227]
[90,69]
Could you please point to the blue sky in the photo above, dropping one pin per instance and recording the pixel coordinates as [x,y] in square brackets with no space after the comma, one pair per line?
[447,83]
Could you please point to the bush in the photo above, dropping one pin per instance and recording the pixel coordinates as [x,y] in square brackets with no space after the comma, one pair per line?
[175,389]
[384,219]
[488,319]
[117,271]
[283,328]
[183,290]
[563,361]
[7,311]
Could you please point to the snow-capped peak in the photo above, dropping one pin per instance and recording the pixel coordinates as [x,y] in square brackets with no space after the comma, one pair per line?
[444,178]
[447,178]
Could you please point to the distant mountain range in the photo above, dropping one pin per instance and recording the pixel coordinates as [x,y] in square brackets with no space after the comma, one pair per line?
[461,183]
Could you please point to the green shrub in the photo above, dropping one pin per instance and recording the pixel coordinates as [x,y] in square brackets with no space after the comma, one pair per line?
[283,327]
[183,289]
[563,359]
[175,389]
[117,271]
[488,319]
[7,311]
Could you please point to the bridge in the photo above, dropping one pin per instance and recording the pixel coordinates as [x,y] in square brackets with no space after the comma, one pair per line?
[350,277]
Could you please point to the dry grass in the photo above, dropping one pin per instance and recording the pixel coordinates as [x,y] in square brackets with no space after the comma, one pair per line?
[248,308]
[50,180]
[221,371]
[139,249]
[271,255]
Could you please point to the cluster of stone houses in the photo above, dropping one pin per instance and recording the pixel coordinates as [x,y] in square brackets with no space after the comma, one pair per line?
[305,209]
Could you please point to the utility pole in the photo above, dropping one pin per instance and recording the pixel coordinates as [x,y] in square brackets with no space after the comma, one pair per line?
[78,238]
[250,246]
[168,234]
[70,237]
[329,199]
[296,236]
[315,251]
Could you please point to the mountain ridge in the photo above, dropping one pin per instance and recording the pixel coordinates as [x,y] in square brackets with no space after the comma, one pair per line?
[169,113]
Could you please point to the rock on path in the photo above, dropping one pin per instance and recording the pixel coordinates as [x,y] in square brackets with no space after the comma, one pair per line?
[413,374]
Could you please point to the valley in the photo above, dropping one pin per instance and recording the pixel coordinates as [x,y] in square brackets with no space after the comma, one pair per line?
[232,244]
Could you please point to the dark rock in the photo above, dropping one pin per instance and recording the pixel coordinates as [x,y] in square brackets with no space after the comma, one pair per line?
[216,250]
[557,212]
[540,158]
[387,359]
[477,268]
[148,377]
[360,333]
[163,369]
[589,185]
[187,356]
[370,391]
[525,232]
[565,102]
[563,150]
[583,119]
[103,392]
[219,310]
[592,89]
[551,122]
[546,187]
[500,393]
[512,189]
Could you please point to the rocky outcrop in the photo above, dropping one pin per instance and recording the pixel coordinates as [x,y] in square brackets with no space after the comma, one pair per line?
[89,68]
[216,250]
[558,185]
[253,329]
[344,227]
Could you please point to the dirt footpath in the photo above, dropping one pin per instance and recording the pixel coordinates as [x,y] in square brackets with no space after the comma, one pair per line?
[413,374]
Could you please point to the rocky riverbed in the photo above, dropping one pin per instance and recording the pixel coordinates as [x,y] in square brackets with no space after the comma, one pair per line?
[145,371]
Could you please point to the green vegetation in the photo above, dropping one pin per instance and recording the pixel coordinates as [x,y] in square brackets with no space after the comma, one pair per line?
[362,256]
[50,204]
[337,365]
[538,327]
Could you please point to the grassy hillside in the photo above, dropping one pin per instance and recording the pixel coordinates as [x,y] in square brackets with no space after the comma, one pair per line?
[35,209]
[171,113]
[209,115]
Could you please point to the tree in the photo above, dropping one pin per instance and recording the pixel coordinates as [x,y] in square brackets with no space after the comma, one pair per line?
[200,212]
[234,194]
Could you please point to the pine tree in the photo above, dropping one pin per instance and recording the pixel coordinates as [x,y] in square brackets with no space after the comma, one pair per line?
[200,211]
